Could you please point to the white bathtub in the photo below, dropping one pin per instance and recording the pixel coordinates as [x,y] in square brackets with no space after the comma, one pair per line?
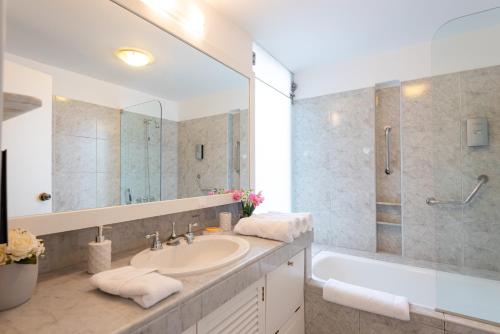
[417,284]
[471,296]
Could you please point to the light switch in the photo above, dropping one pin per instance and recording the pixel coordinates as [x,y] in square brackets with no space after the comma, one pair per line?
[477,132]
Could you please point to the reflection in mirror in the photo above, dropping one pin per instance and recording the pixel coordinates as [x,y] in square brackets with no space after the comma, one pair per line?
[129,114]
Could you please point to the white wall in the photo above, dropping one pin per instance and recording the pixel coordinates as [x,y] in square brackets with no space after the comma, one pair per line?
[84,88]
[28,140]
[452,50]
[214,104]
[454,53]
[404,64]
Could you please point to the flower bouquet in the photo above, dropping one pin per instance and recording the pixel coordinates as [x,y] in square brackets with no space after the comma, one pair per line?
[249,199]
[18,267]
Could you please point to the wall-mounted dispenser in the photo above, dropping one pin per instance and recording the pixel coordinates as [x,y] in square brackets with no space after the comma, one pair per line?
[477,132]
[200,148]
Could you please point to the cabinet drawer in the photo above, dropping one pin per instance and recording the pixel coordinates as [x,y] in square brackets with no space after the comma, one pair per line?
[284,292]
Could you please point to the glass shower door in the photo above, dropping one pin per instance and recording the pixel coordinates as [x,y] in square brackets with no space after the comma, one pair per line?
[466,165]
[141,138]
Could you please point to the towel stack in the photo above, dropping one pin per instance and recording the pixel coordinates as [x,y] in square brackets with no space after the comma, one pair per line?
[144,285]
[275,225]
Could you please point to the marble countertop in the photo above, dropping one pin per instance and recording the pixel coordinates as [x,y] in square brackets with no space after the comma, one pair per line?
[65,302]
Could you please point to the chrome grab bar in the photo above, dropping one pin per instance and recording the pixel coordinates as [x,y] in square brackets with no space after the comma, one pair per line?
[388,169]
[483,179]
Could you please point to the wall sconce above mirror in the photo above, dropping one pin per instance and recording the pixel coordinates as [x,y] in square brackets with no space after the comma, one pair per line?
[124,106]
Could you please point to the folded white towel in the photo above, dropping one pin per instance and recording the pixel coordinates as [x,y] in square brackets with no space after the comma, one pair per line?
[275,225]
[365,299]
[143,285]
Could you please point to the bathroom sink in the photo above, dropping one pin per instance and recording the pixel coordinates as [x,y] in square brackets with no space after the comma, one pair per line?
[207,252]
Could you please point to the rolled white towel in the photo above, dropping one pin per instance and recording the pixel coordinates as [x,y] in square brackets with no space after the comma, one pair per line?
[143,285]
[305,218]
[275,225]
[276,229]
[365,299]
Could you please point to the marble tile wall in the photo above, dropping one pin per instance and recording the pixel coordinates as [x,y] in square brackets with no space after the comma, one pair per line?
[437,162]
[140,157]
[70,248]
[86,155]
[333,166]
[333,160]
[213,132]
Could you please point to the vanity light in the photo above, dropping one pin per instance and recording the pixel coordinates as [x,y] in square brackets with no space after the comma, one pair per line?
[134,57]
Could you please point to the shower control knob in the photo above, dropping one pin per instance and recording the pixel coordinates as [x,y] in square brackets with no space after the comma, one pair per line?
[44,197]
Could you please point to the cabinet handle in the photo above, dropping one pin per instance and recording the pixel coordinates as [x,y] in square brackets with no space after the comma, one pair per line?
[290,263]
[44,197]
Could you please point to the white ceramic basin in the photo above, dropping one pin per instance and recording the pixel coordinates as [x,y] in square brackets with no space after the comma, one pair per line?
[207,252]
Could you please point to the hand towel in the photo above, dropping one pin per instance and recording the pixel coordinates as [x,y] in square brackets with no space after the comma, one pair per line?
[365,299]
[143,285]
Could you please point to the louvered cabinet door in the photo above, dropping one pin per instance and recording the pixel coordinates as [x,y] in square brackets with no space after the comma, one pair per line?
[241,315]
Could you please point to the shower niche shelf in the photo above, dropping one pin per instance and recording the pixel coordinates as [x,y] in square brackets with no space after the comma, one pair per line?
[388,223]
[389,203]
[17,104]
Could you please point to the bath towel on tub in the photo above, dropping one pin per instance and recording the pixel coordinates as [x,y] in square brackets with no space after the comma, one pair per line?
[365,299]
[142,285]
[275,225]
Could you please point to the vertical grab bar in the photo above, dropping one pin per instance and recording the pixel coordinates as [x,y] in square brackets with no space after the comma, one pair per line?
[388,169]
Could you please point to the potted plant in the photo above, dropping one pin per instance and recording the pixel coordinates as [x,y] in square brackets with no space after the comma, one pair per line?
[18,267]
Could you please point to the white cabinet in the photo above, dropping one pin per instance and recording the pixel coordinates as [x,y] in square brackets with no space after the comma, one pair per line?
[284,293]
[242,314]
[274,304]
[296,324]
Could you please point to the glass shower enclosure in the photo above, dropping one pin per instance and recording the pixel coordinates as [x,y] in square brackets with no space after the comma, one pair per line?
[465,203]
[141,138]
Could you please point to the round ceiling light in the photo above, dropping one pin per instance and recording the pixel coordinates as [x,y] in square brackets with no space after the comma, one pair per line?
[134,57]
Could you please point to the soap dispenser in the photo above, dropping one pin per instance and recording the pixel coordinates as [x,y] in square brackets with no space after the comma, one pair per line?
[99,253]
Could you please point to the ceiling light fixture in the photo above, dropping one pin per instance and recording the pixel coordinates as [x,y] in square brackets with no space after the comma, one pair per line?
[134,57]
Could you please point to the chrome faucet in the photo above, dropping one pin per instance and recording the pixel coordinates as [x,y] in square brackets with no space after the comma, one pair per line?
[174,239]
[156,244]
[190,234]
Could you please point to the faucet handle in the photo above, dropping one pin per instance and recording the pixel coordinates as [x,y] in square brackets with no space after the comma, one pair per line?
[173,235]
[156,244]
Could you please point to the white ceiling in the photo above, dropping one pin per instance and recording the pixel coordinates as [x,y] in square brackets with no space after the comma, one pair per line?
[302,34]
[82,35]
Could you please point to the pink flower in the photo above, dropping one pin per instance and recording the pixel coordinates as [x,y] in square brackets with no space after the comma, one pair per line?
[237,195]
[256,199]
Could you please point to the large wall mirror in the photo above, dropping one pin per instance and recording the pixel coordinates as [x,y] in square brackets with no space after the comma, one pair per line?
[122,112]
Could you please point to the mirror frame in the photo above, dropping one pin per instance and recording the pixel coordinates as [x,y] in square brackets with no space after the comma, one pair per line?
[57,222]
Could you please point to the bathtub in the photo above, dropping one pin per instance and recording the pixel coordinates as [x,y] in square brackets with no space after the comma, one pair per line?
[428,288]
